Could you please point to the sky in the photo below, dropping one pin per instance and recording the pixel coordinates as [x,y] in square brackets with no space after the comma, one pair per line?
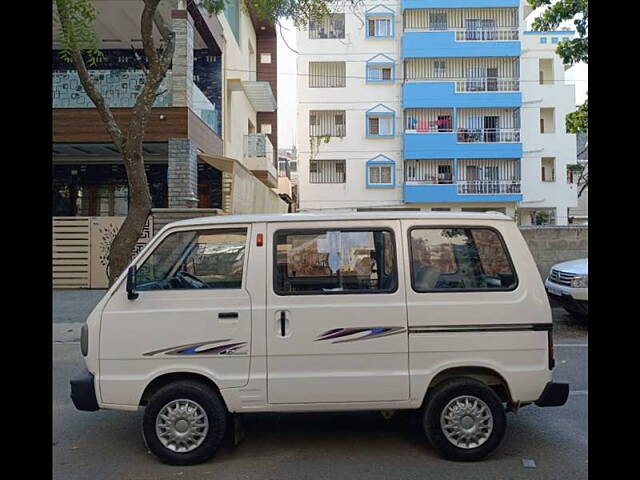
[287,85]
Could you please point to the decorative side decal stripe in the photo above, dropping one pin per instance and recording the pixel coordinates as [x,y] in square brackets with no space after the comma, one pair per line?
[200,348]
[371,332]
[514,327]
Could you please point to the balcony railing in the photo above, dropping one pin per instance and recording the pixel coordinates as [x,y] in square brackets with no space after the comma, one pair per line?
[119,88]
[488,84]
[259,145]
[482,187]
[204,109]
[331,26]
[488,135]
[498,34]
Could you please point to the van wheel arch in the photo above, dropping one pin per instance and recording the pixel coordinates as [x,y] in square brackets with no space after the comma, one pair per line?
[167,378]
[486,375]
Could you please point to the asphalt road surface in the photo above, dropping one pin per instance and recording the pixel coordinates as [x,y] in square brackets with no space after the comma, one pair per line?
[109,445]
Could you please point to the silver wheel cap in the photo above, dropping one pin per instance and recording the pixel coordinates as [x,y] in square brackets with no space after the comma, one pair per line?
[182,425]
[466,422]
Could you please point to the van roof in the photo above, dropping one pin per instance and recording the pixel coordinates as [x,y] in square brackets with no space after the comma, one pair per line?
[324,216]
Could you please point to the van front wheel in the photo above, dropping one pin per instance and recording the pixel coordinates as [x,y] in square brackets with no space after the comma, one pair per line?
[184,423]
[464,419]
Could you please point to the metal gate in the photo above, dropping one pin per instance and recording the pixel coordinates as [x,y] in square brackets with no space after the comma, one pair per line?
[81,249]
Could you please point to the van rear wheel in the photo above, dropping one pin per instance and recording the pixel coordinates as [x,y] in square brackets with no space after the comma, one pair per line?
[184,423]
[464,419]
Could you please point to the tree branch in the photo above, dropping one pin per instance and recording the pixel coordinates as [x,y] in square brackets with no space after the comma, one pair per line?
[85,79]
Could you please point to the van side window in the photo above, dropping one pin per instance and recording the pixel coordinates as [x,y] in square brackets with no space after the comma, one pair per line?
[195,259]
[445,259]
[334,261]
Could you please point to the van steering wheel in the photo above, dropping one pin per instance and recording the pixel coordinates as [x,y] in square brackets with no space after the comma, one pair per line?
[191,280]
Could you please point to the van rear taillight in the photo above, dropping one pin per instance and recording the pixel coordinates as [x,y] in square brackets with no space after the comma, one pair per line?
[552,361]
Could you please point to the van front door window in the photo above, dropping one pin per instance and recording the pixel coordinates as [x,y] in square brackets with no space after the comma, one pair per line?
[195,259]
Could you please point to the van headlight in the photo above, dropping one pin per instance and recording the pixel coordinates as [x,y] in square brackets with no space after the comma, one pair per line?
[580,281]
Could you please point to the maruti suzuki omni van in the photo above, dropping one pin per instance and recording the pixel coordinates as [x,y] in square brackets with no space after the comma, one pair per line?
[442,312]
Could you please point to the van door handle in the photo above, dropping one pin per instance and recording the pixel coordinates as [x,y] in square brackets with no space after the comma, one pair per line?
[228,315]
[282,325]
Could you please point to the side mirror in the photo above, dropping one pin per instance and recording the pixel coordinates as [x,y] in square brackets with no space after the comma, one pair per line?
[131,283]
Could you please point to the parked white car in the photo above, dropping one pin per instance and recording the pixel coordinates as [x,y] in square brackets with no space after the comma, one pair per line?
[568,284]
[216,317]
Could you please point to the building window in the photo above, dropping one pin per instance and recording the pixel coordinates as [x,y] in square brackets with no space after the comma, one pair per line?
[547,123]
[381,69]
[380,126]
[543,40]
[554,39]
[330,123]
[381,27]
[332,26]
[265,58]
[195,259]
[327,171]
[459,259]
[380,175]
[380,73]
[232,12]
[381,172]
[329,262]
[548,165]
[327,75]
[380,122]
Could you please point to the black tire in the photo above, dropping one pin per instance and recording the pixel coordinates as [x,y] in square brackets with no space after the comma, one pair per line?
[439,398]
[210,402]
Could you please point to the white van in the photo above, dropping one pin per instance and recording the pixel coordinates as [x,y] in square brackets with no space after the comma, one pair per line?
[442,312]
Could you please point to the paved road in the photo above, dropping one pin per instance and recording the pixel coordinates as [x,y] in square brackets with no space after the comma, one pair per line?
[108,445]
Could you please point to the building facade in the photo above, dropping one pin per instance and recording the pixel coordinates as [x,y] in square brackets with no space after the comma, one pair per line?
[209,147]
[211,140]
[433,105]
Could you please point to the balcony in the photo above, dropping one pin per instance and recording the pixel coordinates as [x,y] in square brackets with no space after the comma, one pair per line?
[460,192]
[460,32]
[259,157]
[467,180]
[407,4]
[461,43]
[446,145]
[478,92]
[462,82]
[462,133]
[120,89]
[205,110]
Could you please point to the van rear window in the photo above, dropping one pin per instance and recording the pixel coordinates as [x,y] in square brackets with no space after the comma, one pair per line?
[334,261]
[446,259]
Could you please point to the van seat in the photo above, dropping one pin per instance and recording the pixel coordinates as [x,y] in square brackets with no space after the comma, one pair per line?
[426,277]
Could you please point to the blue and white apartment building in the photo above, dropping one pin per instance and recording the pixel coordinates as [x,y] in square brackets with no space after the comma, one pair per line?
[434,105]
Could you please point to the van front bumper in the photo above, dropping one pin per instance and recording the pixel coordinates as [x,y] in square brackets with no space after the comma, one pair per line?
[554,395]
[83,393]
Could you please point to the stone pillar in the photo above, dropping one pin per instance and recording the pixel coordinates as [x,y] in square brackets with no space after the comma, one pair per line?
[182,64]
[182,173]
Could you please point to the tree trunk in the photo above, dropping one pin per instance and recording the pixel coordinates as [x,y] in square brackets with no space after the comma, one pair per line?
[130,145]
[139,210]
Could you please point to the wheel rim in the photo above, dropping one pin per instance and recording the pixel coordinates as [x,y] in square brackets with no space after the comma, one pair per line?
[467,422]
[182,425]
